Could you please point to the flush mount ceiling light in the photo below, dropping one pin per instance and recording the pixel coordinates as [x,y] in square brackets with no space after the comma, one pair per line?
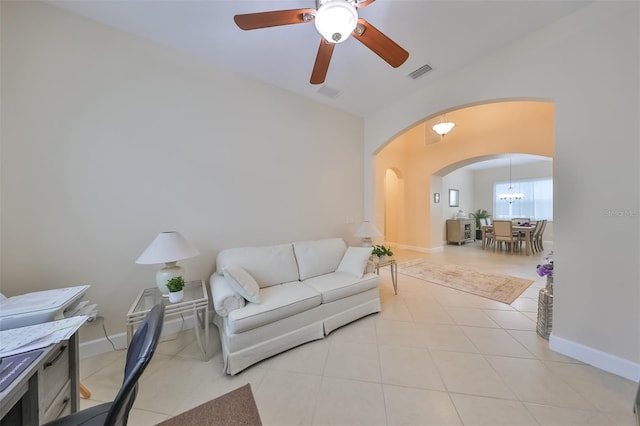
[510,196]
[336,19]
[443,127]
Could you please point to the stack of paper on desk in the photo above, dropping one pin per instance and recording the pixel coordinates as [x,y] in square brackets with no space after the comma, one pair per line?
[38,336]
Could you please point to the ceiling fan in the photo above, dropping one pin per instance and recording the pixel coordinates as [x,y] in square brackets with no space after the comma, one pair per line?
[335,20]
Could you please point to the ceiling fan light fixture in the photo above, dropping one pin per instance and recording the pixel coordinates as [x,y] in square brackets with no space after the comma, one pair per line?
[443,127]
[336,20]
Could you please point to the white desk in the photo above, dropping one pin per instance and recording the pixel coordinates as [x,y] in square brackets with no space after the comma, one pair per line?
[47,389]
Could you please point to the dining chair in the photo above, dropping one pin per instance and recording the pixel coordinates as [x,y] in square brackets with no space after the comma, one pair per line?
[533,236]
[538,239]
[503,233]
[488,232]
[141,350]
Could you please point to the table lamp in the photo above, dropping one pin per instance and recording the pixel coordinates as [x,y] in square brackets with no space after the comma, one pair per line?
[366,231]
[168,248]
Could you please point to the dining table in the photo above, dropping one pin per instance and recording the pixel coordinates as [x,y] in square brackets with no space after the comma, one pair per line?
[524,229]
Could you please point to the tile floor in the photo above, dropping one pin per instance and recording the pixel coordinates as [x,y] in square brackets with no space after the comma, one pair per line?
[433,356]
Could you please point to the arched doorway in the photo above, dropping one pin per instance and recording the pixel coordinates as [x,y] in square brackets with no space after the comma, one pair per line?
[481,132]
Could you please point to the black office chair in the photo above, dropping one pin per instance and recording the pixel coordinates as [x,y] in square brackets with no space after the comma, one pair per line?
[636,405]
[142,347]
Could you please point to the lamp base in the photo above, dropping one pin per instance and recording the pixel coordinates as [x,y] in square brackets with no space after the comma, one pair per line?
[170,270]
[367,242]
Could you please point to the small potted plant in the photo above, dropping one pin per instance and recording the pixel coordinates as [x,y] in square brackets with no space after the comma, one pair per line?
[382,252]
[176,289]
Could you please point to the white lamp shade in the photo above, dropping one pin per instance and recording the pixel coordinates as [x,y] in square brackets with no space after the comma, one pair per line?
[367,230]
[167,247]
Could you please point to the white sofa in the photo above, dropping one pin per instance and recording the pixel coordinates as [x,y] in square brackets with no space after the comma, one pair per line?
[273,298]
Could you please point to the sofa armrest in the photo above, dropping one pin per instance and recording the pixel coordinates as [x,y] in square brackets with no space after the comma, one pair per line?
[225,298]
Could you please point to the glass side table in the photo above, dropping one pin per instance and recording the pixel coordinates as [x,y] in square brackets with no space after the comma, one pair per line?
[195,301]
[394,271]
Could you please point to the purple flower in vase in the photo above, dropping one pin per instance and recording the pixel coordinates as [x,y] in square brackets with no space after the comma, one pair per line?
[546,269]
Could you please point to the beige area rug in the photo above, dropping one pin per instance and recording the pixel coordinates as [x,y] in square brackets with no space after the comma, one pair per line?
[503,288]
[236,408]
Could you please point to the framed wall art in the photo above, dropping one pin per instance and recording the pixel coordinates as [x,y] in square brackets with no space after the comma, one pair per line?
[454,198]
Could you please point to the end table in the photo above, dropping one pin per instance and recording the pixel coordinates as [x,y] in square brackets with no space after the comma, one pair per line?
[394,272]
[195,301]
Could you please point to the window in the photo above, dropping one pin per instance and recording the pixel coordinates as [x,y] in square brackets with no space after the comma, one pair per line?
[537,202]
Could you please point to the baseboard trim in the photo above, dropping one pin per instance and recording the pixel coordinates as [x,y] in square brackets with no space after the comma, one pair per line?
[417,248]
[602,360]
[102,345]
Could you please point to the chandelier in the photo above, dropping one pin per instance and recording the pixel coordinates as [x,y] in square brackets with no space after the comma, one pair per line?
[510,196]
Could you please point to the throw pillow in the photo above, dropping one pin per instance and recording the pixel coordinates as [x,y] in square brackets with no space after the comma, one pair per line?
[355,260]
[242,282]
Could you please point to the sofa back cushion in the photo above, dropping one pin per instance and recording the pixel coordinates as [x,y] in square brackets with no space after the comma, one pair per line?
[318,257]
[268,265]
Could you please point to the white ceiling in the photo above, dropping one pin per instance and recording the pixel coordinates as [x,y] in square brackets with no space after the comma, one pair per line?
[447,35]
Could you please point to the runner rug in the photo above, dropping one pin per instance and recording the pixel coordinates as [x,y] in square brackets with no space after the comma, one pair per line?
[503,288]
[236,408]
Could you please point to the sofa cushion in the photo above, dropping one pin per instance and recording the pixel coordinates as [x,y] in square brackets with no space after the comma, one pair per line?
[355,260]
[242,282]
[318,257]
[338,285]
[277,302]
[268,265]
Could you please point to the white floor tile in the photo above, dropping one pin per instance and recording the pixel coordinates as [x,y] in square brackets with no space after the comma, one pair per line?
[408,406]
[275,396]
[531,381]
[412,364]
[357,361]
[496,342]
[478,410]
[410,367]
[471,316]
[470,374]
[349,402]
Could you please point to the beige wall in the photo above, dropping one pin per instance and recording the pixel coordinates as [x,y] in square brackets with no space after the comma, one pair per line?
[483,131]
[587,64]
[108,139]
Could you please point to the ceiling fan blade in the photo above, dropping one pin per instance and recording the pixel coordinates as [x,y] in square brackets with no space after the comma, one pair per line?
[323,58]
[364,3]
[253,21]
[380,44]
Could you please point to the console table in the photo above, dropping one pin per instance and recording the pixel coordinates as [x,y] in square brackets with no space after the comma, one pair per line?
[461,231]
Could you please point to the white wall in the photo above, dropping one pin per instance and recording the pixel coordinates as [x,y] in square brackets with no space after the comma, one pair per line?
[108,139]
[588,64]
[462,180]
